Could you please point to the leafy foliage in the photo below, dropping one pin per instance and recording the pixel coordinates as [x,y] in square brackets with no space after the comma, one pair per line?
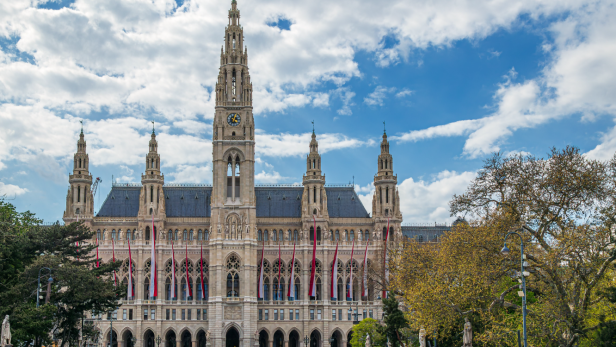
[564,211]
[77,288]
[371,327]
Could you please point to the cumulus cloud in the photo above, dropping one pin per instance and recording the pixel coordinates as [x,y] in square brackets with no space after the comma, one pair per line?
[11,190]
[192,174]
[269,177]
[422,201]
[377,97]
[289,145]
[580,78]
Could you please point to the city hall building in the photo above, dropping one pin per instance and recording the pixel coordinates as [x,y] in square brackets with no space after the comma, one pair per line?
[228,224]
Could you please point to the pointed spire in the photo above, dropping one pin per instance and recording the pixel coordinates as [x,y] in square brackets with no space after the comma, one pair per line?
[153,133]
[384,131]
[81,121]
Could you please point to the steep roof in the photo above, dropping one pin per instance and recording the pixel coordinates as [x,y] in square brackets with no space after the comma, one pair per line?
[343,202]
[194,201]
[121,202]
[279,201]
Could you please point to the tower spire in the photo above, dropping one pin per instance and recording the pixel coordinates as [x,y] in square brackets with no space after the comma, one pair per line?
[153,133]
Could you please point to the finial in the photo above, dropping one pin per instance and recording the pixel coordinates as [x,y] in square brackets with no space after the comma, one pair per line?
[384,132]
[81,121]
[153,128]
[313,126]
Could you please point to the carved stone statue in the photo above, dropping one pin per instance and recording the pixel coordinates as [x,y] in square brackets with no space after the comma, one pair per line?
[5,339]
[368,342]
[467,337]
[422,337]
[207,335]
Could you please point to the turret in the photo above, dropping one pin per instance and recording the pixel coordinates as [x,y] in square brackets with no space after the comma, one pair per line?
[79,201]
[385,202]
[315,199]
[152,200]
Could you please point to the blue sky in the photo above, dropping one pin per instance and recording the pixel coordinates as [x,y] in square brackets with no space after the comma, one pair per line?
[453,81]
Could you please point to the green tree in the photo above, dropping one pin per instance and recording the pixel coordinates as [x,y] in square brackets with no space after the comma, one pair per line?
[368,327]
[564,208]
[394,321]
[78,286]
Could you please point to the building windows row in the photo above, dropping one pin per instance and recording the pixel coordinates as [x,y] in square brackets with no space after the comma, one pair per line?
[278,235]
[264,314]
[188,235]
[336,235]
[185,314]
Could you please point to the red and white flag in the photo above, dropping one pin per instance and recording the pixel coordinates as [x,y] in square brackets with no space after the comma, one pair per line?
[334,279]
[131,290]
[364,291]
[202,280]
[350,290]
[279,289]
[115,278]
[153,272]
[173,293]
[386,261]
[188,289]
[313,283]
[291,291]
[260,288]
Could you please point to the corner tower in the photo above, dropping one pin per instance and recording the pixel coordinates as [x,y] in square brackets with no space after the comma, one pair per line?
[314,197]
[152,201]
[79,201]
[386,201]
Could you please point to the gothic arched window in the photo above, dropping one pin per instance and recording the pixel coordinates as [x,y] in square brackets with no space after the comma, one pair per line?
[352,235]
[233,278]
[170,235]
[113,234]
[206,235]
[185,238]
[259,235]
[98,234]
[199,235]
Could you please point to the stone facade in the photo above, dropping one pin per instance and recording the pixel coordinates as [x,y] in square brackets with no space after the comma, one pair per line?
[228,224]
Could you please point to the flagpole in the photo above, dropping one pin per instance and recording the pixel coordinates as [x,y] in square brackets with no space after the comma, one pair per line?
[291,291]
[350,293]
[386,271]
[130,290]
[334,279]
[313,284]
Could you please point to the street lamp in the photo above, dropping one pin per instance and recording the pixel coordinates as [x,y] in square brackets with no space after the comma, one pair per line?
[158,341]
[506,251]
[111,324]
[306,341]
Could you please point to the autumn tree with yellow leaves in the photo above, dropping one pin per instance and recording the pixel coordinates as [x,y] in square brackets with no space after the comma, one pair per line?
[564,209]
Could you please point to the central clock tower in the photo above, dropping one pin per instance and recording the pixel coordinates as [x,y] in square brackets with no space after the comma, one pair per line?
[233,204]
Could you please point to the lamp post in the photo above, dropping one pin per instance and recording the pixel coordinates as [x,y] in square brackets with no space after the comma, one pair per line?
[158,341]
[111,324]
[306,341]
[505,251]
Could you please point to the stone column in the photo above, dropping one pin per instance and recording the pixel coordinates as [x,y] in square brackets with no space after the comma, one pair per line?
[229,82]
[238,84]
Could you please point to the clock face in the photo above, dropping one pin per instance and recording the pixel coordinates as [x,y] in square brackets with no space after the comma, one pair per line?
[234,119]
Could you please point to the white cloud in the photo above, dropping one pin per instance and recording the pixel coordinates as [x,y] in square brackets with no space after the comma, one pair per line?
[287,145]
[269,177]
[580,78]
[404,92]
[192,174]
[346,95]
[422,201]
[379,94]
[11,190]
